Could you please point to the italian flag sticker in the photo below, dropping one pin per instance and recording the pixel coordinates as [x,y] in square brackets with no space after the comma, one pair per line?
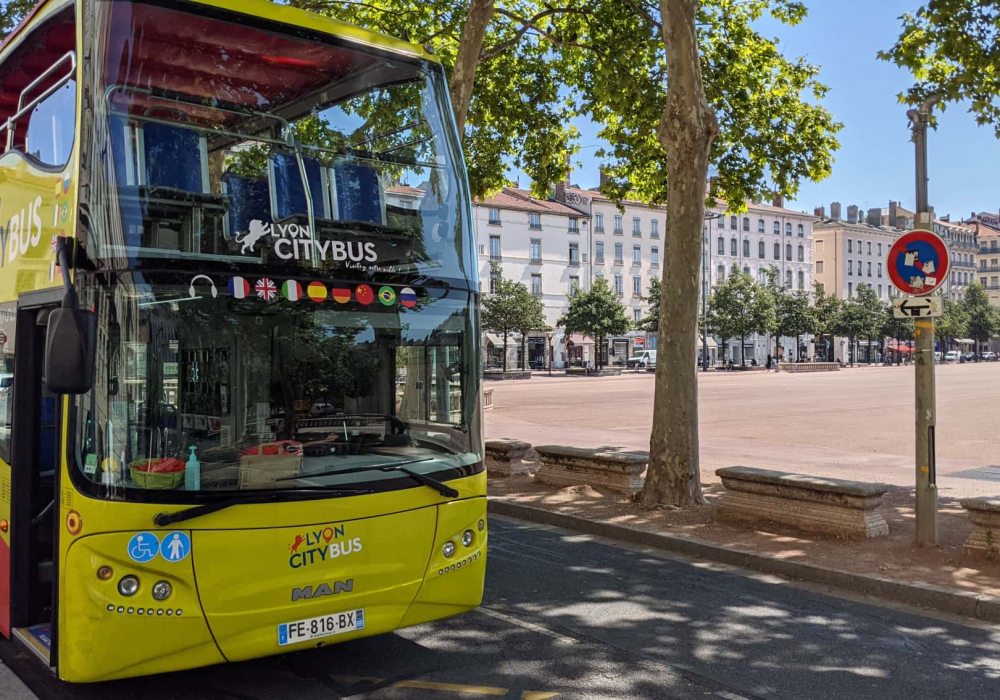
[291,290]
[239,288]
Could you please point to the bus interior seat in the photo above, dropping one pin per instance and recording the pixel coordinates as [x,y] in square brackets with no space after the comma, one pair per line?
[359,193]
[288,196]
[248,200]
[175,157]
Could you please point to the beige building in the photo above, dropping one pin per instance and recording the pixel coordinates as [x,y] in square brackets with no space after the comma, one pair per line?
[852,252]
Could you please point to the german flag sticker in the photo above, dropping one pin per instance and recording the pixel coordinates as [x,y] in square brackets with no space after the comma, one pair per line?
[316,291]
[387,296]
[341,295]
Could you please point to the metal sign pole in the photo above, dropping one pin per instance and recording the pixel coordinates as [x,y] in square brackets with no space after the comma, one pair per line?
[926,410]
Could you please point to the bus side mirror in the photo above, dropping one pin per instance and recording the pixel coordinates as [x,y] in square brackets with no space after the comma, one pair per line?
[69,351]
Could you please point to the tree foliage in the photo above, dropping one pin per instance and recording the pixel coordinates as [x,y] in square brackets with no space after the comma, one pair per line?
[510,309]
[739,306]
[863,316]
[11,14]
[983,319]
[954,322]
[951,48]
[597,313]
[651,323]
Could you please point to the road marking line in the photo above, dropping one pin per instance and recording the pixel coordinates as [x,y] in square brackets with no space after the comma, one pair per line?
[730,696]
[451,687]
[563,639]
[357,679]
[536,695]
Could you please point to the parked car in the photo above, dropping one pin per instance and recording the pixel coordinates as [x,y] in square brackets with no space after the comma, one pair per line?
[646,358]
[989,355]
[970,356]
[952,356]
[937,357]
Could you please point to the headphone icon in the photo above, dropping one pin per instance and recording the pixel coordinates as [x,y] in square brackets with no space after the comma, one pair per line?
[215,292]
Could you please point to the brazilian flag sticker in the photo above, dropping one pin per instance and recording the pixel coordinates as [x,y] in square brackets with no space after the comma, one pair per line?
[387,296]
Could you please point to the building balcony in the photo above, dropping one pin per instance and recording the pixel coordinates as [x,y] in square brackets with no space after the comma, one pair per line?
[619,261]
[496,257]
[574,263]
[636,234]
[619,232]
[574,230]
[598,229]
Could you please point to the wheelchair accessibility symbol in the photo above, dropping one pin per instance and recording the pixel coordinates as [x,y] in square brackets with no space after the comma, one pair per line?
[143,547]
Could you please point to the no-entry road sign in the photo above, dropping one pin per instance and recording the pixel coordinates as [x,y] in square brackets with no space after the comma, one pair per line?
[918,262]
[917,307]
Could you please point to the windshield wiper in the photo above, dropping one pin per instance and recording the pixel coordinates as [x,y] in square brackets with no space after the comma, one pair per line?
[438,486]
[334,491]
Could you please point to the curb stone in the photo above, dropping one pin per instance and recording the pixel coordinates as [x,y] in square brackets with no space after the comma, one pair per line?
[964,603]
[11,687]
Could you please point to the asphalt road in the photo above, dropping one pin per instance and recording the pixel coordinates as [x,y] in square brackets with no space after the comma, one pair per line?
[571,616]
[854,424]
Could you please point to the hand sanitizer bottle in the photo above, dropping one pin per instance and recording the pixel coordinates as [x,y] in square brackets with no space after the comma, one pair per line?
[192,472]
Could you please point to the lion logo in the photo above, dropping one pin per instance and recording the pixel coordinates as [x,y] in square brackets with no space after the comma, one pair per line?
[258,229]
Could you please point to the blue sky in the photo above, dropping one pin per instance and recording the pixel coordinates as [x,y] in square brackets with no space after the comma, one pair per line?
[875,160]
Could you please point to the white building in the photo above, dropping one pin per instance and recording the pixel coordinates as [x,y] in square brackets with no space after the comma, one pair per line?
[544,245]
[765,237]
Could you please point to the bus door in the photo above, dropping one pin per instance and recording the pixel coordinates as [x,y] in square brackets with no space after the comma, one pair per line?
[35,458]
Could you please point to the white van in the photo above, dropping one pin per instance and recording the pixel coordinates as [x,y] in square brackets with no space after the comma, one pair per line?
[952,356]
[646,358]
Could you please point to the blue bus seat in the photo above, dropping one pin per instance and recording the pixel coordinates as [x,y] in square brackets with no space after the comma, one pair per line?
[288,196]
[248,200]
[359,194]
[174,157]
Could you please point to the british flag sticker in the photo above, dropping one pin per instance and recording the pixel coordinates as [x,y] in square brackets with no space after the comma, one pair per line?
[266,289]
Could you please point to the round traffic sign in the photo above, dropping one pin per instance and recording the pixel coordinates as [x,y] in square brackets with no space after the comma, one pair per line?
[918,262]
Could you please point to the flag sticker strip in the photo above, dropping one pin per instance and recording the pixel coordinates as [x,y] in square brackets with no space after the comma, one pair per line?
[239,288]
[291,290]
[316,291]
[341,295]
[364,294]
[387,296]
[266,289]
[407,297]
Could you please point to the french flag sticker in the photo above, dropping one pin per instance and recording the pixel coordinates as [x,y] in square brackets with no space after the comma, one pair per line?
[239,288]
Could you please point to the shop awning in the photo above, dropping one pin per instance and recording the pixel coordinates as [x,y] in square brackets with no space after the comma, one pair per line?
[965,341]
[711,343]
[578,339]
[898,348]
[495,339]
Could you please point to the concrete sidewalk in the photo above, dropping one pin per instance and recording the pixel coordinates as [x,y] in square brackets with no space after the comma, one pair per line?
[11,687]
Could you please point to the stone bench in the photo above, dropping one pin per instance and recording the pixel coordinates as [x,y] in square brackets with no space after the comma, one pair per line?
[569,466]
[487,398]
[985,515]
[505,457]
[808,366]
[507,376]
[809,503]
[584,372]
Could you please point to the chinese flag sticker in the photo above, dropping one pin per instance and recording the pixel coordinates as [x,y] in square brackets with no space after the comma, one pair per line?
[364,294]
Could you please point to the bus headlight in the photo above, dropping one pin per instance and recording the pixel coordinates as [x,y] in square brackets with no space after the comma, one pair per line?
[448,549]
[467,537]
[162,590]
[128,585]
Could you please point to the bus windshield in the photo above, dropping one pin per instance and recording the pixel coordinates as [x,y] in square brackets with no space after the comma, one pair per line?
[225,142]
[282,269]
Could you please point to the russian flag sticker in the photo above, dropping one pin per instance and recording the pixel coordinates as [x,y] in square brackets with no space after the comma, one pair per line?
[291,290]
[408,297]
[239,288]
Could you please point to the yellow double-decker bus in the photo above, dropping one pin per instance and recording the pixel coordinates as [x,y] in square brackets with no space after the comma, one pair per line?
[240,409]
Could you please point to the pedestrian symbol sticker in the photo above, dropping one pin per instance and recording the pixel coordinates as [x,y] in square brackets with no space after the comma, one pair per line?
[176,546]
[143,547]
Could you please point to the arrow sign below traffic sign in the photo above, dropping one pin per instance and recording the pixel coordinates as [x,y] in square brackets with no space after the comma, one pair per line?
[918,307]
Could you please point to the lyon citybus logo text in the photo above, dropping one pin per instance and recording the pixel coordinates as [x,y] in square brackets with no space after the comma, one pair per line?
[322,544]
[295,242]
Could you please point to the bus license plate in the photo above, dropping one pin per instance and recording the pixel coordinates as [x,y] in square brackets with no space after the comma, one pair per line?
[323,626]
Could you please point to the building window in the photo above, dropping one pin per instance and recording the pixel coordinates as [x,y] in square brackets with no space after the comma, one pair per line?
[746,248]
[788,278]
[850,267]
[880,269]
[536,285]
[819,267]
[574,253]
[802,279]
[777,228]
[993,282]
[534,221]
[746,223]
[850,246]
[494,216]
[654,257]
[574,286]
[636,255]
[495,248]
[733,250]
[494,281]
[654,228]
[788,252]
[880,291]
[982,280]
[802,231]
[788,229]
[859,246]
[721,220]
[733,223]
[860,269]
[850,289]
[618,224]
[760,250]
[618,253]
[720,274]
[599,223]
[636,286]
[637,314]
[636,226]
[777,251]
[599,252]
[802,254]
[869,247]
[880,250]
[536,250]
[746,269]
[619,286]
[574,224]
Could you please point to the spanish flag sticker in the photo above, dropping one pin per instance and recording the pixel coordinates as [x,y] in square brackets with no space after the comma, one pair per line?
[316,291]
[364,294]
[387,296]
[340,295]
[291,290]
